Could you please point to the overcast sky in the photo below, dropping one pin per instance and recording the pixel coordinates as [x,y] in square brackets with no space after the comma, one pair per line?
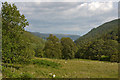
[67,17]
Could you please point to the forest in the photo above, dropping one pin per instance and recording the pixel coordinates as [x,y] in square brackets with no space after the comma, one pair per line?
[20,46]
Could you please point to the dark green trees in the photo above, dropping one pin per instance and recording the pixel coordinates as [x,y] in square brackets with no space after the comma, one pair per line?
[111,50]
[68,48]
[95,50]
[105,50]
[100,43]
[15,48]
[52,47]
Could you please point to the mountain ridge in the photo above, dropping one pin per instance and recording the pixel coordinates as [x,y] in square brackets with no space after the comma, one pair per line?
[99,31]
[45,35]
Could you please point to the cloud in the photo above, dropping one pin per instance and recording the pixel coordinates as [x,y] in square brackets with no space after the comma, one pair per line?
[94,6]
[67,17]
[77,18]
[90,9]
[59,0]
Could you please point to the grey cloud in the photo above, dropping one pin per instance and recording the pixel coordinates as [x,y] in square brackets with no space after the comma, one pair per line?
[62,17]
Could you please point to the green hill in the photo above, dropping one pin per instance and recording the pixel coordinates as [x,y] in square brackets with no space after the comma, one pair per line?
[96,33]
[100,43]
[34,40]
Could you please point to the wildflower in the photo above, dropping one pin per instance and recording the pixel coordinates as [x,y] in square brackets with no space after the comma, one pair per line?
[54,76]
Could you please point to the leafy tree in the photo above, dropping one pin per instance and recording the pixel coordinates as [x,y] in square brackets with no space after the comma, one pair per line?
[39,52]
[68,48]
[111,50]
[52,47]
[95,50]
[82,51]
[15,47]
[36,43]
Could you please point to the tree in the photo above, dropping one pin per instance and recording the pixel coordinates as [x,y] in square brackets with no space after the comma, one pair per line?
[95,50]
[52,47]
[39,52]
[111,50]
[15,47]
[68,48]
[83,51]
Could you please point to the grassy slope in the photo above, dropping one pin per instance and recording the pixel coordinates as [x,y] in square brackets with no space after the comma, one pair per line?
[76,68]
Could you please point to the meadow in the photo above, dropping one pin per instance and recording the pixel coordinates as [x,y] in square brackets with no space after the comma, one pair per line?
[75,68]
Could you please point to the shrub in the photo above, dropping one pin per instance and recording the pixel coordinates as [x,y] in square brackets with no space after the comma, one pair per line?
[46,63]
[105,58]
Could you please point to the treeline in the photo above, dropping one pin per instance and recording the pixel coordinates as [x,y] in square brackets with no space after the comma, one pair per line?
[104,48]
[59,49]
[99,50]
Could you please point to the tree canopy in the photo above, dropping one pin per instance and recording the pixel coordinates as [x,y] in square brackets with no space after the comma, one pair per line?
[17,44]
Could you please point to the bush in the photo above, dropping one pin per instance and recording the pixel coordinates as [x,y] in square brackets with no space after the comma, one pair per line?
[46,63]
[104,58]
[114,58]
[39,53]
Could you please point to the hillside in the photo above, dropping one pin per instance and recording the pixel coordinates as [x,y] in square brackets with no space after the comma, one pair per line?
[34,40]
[100,43]
[45,35]
[95,33]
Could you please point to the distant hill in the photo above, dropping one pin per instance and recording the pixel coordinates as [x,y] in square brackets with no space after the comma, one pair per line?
[108,28]
[45,35]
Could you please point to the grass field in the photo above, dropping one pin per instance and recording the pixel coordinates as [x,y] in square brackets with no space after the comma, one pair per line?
[76,68]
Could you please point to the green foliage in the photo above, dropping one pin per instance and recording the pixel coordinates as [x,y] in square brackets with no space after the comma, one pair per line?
[68,48]
[18,45]
[13,24]
[95,49]
[26,75]
[36,43]
[9,73]
[46,63]
[39,53]
[99,42]
[52,47]
[104,58]
[16,66]
[102,30]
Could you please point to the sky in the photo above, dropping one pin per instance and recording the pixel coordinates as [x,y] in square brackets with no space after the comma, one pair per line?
[67,17]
